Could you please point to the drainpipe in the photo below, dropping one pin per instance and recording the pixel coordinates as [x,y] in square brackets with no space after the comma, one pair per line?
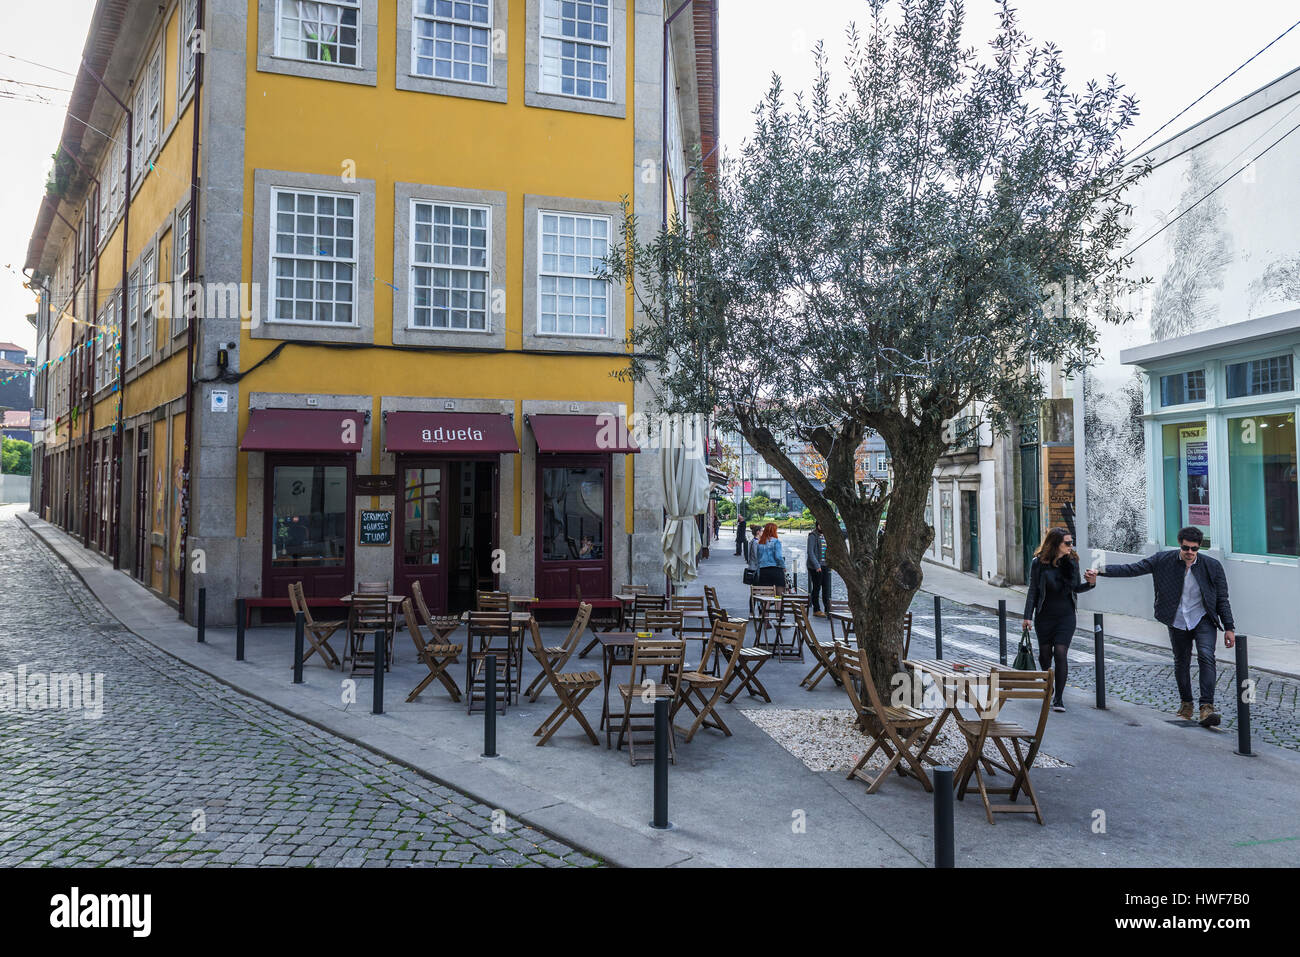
[72,379]
[191,319]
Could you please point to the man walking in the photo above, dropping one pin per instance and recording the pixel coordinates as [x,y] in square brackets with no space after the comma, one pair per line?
[818,574]
[740,533]
[1191,599]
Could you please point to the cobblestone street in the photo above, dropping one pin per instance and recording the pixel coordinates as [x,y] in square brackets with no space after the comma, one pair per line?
[183,770]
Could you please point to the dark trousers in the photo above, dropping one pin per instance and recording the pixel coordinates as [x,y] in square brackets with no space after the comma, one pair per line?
[739,544]
[819,588]
[1182,640]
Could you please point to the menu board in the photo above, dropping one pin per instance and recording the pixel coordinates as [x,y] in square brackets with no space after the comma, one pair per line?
[376,527]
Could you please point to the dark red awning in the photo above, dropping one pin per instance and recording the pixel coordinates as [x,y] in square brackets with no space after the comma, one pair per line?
[446,433]
[304,430]
[581,433]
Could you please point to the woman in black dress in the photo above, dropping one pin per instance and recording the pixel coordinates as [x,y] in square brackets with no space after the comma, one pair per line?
[1054,584]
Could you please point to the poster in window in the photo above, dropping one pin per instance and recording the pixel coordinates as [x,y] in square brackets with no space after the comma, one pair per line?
[1194,448]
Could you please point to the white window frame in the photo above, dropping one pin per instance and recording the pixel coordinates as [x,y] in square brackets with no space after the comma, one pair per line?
[181,271]
[485,270]
[417,17]
[354,262]
[186,60]
[608,45]
[154,78]
[1277,352]
[139,130]
[149,292]
[133,317]
[348,4]
[1158,406]
[542,274]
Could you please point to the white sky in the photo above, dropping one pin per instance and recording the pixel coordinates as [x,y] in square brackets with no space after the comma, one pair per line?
[1168,52]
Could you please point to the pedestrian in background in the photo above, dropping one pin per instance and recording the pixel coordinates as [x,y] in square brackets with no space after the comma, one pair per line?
[819,585]
[1192,602]
[740,533]
[717,523]
[771,559]
[1052,602]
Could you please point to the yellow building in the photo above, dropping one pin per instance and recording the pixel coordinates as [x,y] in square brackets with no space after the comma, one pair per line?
[401,356]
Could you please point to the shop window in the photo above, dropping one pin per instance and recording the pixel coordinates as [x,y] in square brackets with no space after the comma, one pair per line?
[573,513]
[1262,478]
[945,514]
[1261,377]
[310,511]
[1186,478]
[1182,388]
[423,518]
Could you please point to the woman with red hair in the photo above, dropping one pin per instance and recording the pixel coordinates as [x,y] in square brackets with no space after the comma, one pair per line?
[771,560]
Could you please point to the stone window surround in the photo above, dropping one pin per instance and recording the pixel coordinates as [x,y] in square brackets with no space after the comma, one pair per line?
[497,91]
[617,315]
[363,306]
[365,73]
[616,106]
[403,332]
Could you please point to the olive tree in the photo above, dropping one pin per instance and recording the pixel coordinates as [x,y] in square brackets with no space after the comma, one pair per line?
[882,259]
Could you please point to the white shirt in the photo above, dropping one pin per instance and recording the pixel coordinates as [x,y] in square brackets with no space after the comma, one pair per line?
[1191,609]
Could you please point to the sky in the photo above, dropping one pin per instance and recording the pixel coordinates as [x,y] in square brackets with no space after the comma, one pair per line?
[1167,52]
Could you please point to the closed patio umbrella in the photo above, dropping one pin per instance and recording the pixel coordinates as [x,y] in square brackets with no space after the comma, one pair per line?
[686,494]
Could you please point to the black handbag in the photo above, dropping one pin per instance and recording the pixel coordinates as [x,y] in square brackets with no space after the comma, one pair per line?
[1025,655]
[750,577]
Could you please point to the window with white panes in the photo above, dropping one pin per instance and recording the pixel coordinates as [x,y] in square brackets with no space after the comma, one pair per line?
[313,259]
[452,40]
[576,48]
[139,131]
[189,22]
[154,120]
[319,32]
[180,305]
[449,266]
[571,300]
[133,318]
[148,294]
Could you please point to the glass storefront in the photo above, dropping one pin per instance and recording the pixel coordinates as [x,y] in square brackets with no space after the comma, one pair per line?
[1262,478]
[422,518]
[573,513]
[309,516]
[1186,479]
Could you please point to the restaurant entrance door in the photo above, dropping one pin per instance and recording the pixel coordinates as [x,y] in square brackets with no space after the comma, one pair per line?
[446,532]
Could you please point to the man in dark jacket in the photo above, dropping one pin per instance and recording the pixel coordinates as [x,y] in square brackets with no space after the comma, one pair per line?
[740,534]
[1191,594]
[819,585]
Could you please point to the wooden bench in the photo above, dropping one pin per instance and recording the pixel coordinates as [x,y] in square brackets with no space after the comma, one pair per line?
[251,603]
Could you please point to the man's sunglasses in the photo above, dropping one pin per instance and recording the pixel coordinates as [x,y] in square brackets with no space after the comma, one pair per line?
[1190,548]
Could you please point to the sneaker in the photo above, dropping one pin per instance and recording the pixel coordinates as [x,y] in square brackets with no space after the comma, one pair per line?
[1058,705]
[1209,717]
[1185,711]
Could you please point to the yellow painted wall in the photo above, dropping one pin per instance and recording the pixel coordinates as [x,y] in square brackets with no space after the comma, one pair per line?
[313,126]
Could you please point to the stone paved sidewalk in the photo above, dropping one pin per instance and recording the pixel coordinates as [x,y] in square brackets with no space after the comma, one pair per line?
[184,770]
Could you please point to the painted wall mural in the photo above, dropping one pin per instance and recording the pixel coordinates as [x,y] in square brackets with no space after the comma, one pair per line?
[1232,255]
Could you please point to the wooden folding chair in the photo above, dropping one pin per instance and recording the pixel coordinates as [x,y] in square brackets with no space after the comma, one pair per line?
[711,599]
[371,614]
[665,653]
[745,675]
[494,601]
[558,655]
[643,603]
[317,632]
[485,632]
[895,731]
[841,605]
[1012,685]
[728,638]
[790,609]
[571,688]
[437,657]
[823,654]
[758,591]
[440,626]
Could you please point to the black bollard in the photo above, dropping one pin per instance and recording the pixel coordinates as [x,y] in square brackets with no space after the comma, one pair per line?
[938,629]
[241,616]
[1099,650]
[661,822]
[1243,703]
[299,624]
[944,844]
[203,613]
[1002,630]
[490,709]
[381,653]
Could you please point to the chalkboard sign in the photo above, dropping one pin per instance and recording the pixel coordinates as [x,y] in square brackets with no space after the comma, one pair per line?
[376,527]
